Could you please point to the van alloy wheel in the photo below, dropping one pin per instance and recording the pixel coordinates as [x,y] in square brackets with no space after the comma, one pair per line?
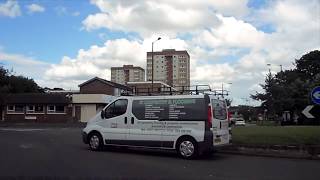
[186,148]
[94,142]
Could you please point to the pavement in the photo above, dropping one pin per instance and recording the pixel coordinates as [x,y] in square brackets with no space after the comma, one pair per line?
[58,153]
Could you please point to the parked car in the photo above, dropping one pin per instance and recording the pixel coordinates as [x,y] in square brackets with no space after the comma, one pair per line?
[240,122]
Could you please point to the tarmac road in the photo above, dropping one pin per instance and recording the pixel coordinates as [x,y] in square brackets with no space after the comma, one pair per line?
[58,153]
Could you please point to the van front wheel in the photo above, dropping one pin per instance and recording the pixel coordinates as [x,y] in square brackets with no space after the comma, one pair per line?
[187,148]
[95,142]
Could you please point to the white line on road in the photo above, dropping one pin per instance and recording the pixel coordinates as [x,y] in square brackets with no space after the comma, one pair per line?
[20,130]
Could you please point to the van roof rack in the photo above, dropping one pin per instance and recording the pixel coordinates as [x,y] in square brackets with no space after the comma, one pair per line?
[177,90]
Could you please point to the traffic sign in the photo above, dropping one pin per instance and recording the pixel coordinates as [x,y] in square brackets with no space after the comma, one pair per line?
[315,95]
[312,112]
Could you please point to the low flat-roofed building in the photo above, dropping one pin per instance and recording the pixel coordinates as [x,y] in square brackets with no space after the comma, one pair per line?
[37,107]
[61,105]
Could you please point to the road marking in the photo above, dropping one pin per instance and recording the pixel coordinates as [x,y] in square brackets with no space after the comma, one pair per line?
[20,130]
[26,146]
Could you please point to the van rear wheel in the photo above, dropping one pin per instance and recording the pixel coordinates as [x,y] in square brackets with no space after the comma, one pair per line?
[187,148]
[95,142]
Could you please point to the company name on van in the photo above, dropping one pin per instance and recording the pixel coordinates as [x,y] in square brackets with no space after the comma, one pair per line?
[168,101]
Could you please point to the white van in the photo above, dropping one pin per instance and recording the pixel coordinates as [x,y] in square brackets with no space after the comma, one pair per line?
[190,124]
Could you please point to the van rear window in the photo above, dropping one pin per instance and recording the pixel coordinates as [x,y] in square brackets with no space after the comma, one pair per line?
[191,109]
[219,109]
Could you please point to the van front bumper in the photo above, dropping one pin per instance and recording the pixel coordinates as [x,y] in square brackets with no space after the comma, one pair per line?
[85,137]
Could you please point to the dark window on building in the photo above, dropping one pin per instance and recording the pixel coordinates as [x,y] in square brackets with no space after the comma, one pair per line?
[56,109]
[18,108]
[59,109]
[10,108]
[51,109]
[30,109]
[15,109]
[38,109]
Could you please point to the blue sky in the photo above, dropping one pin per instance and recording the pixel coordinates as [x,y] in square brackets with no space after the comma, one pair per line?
[61,43]
[49,35]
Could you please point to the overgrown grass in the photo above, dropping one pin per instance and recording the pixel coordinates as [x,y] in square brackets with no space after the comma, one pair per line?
[277,135]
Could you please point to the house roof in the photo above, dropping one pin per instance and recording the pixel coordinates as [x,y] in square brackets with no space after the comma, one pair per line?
[37,98]
[113,84]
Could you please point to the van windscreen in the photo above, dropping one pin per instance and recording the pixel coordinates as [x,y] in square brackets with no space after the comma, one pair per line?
[184,109]
[219,109]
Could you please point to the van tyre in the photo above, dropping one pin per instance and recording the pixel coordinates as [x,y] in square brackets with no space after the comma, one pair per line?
[187,148]
[95,142]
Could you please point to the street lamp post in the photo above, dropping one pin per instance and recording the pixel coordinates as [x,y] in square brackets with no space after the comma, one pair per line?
[152,63]
[269,67]
[222,87]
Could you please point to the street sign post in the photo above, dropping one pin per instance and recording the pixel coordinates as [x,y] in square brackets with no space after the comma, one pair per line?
[315,95]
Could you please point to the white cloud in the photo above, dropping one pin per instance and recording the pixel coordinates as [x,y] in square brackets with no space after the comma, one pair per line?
[23,65]
[20,59]
[231,33]
[34,8]
[224,46]
[97,60]
[161,17]
[10,8]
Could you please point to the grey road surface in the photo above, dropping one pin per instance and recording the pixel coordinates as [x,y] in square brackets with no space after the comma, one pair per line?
[58,153]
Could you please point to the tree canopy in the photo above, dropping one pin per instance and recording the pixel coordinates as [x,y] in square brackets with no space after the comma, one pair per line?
[10,83]
[289,90]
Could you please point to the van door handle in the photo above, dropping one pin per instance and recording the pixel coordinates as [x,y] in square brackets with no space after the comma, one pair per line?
[132,120]
[125,120]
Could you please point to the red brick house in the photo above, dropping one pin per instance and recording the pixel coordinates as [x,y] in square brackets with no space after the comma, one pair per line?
[101,86]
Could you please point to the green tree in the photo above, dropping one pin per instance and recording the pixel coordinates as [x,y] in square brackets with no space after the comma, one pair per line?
[309,65]
[289,90]
[16,84]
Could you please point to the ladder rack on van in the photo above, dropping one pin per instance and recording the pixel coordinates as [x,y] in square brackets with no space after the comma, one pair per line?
[177,90]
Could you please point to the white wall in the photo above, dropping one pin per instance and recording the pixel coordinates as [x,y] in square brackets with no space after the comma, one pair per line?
[87,112]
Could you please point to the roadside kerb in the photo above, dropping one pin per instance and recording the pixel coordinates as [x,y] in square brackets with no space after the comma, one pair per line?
[43,125]
[283,151]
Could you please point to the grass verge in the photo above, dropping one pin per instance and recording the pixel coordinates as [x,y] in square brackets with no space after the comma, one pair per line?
[276,135]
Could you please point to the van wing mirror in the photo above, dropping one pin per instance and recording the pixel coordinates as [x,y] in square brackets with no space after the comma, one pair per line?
[102,114]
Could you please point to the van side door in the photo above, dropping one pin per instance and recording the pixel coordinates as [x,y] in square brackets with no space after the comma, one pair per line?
[145,129]
[115,121]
